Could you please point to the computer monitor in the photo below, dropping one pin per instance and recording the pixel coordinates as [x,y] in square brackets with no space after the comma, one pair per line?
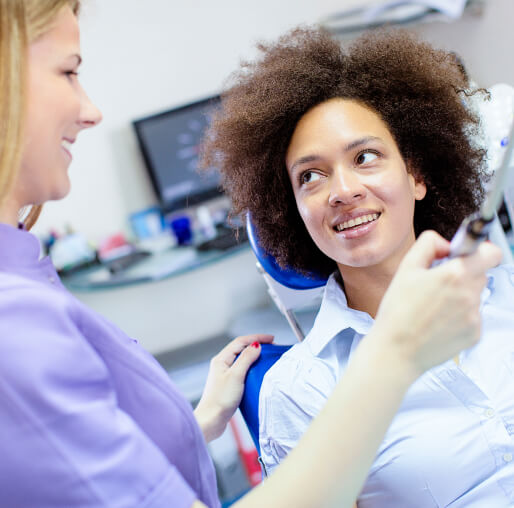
[169,142]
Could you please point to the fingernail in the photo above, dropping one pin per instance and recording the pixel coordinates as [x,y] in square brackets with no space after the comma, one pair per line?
[255,344]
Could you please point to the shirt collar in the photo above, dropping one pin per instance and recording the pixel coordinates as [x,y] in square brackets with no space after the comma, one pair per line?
[18,248]
[335,316]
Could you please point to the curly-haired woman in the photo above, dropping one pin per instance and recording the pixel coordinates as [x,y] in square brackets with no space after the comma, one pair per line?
[344,156]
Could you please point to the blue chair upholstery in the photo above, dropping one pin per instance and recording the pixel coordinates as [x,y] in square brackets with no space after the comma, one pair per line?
[249,406]
[270,353]
[285,276]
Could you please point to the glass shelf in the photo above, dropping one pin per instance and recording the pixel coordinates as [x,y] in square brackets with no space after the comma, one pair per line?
[158,266]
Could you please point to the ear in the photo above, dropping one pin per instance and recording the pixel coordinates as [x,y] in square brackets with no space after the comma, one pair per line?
[420,189]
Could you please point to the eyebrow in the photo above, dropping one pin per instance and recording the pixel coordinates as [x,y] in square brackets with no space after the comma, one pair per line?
[304,160]
[347,148]
[359,142]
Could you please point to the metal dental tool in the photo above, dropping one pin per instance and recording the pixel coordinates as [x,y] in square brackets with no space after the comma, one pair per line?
[475,228]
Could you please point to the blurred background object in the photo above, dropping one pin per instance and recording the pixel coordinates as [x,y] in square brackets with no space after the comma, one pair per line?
[375,14]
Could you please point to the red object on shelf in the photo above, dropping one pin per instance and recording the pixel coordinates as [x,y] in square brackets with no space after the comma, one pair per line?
[246,448]
[111,244]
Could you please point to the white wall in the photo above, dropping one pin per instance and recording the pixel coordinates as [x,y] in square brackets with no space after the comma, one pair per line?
[485,42]
[143,57]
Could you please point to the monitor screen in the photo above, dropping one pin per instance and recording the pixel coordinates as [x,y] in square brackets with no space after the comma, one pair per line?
[169,142]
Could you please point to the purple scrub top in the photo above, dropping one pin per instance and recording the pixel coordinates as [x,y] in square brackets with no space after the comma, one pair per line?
[87,417]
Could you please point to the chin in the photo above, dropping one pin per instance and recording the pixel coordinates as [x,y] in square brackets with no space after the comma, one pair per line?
[60,193]
[361,263]
[65,187]
[363,260]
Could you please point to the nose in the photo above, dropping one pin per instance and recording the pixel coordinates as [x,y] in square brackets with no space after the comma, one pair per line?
[90,115]
[345,187]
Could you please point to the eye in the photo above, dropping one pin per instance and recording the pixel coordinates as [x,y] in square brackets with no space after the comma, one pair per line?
[71,74]
[366,157]
[309,176]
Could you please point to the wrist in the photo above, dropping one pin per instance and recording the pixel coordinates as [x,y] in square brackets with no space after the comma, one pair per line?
[209,421]
[383,349]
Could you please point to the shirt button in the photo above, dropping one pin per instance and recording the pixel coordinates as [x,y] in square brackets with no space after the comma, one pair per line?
[507,457]
[51,278]
[489,412]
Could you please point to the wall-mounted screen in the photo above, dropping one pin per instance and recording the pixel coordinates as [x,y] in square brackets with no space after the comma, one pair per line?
[169,142]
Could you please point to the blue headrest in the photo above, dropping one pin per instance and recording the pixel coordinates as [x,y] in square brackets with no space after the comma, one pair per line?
[287,277]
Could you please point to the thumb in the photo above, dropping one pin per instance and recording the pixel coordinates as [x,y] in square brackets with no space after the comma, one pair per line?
[245,360]
[487,256]
[428,247]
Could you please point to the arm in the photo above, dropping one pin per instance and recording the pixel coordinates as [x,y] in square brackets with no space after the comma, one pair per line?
[439,318]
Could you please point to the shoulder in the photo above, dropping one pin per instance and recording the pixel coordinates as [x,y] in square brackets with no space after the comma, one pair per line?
[41,338]
[294,389]
[298,371]
[15,288]
[31,305]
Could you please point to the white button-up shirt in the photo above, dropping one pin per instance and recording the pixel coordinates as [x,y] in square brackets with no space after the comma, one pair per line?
[452,441]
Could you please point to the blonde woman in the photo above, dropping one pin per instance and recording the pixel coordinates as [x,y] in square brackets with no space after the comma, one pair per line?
[90,419]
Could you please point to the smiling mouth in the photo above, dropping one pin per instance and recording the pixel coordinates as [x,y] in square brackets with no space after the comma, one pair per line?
[355,223]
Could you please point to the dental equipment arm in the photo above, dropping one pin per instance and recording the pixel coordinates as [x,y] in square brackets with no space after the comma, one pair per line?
[476,228]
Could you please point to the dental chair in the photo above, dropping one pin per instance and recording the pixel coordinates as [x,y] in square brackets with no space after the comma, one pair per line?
[288,290]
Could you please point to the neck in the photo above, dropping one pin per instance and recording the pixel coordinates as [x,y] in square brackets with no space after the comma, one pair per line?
[9,210]
[365,286]
[365,289]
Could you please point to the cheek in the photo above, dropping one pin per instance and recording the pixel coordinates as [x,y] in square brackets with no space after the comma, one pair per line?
[312,216]
[403,212]
[304,212]
[309,211]
[398,195]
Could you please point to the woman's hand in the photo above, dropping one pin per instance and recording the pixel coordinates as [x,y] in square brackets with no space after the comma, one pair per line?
[434,313]
[225,383]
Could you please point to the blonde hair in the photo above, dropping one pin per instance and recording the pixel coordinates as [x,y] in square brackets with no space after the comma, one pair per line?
[21,22]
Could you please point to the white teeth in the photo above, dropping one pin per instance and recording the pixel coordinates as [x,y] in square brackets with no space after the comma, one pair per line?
[66,144]
[363,219]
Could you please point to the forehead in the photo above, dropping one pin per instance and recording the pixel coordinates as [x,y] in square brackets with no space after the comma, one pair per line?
[337,120]
[62,37]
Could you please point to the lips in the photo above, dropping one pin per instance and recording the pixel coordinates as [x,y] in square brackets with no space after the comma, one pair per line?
[356,225]
[355,219]
[363,219]
[66,145]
